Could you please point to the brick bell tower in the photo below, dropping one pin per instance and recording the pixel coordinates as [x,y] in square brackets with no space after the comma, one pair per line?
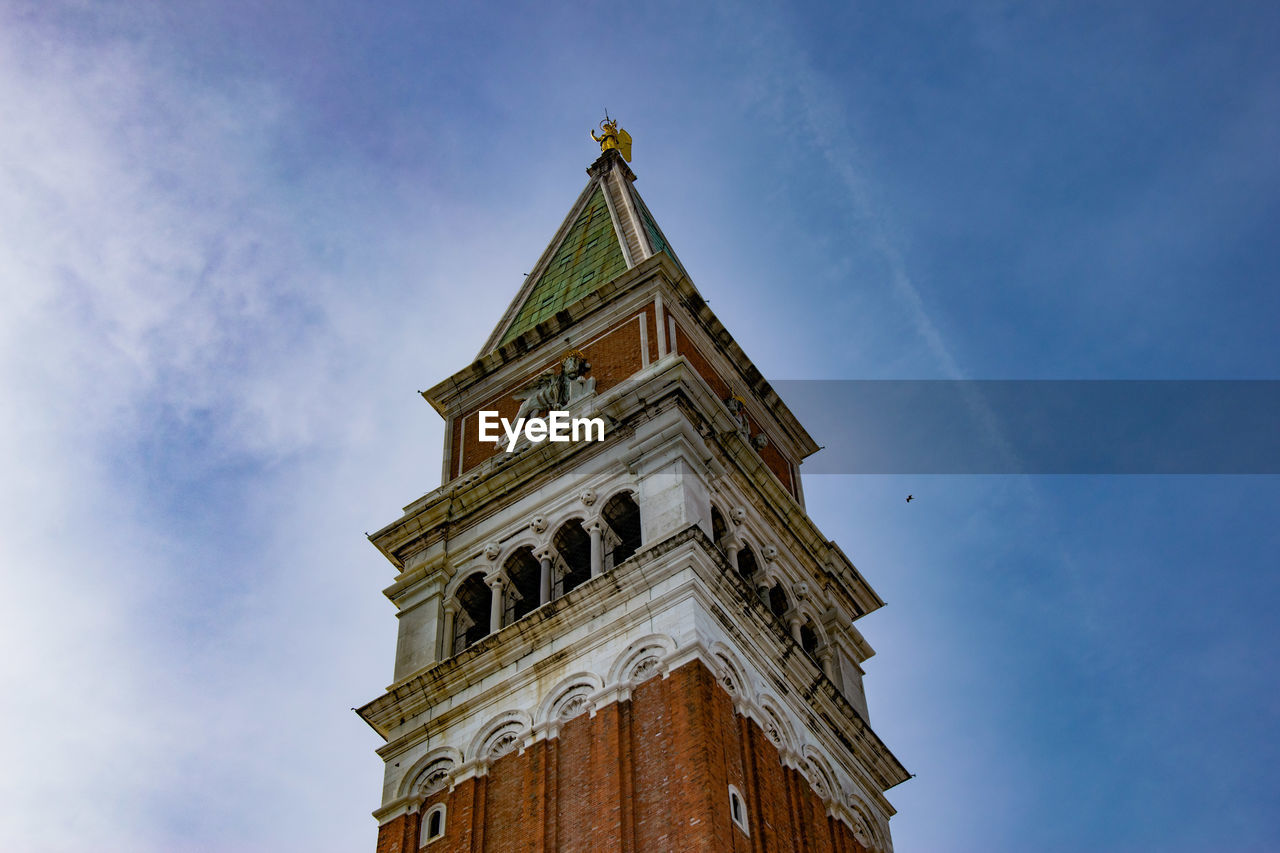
[636,644]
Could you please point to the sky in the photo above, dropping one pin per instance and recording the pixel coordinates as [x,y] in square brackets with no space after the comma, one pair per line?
[237,237]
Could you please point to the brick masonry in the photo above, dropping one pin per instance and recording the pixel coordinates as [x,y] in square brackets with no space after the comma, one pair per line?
[614,356]
[649,774]
[773,460]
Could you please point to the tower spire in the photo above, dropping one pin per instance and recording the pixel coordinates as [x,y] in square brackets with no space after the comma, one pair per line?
[608,232]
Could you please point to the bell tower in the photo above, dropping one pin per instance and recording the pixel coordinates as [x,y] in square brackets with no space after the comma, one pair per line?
[636,641]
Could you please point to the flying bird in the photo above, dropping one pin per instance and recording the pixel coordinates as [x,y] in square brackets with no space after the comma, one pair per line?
[910,498]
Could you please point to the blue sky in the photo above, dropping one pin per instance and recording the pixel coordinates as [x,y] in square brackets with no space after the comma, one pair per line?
[236,238]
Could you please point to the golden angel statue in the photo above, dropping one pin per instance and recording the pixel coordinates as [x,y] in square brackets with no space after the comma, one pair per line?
[613,137]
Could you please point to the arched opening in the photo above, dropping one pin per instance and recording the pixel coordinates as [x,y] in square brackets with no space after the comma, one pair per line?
[719,530]
[778,600]
[809,639]
[573,544]
[433,824]
[621,516]
[471,624]
[737,809]
[747,565]
[524,572]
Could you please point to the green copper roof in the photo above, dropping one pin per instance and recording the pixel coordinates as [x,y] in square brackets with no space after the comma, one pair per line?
[588,257]
[655,236]
[656,239]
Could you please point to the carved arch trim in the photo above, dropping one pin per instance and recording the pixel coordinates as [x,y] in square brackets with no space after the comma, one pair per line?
[777,726]
[820,776]
[504,733]
[451,589]
[869,825]
[569,698]
[519,543]
[423,776]
[730,673]
[642,659]
[808,614]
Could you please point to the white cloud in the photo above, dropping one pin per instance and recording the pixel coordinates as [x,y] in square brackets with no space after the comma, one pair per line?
[165,682]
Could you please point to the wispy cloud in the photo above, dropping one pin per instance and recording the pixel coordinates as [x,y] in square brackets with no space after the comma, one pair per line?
[163,328]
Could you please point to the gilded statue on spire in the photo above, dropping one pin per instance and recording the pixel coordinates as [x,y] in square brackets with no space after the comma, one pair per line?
[613,137]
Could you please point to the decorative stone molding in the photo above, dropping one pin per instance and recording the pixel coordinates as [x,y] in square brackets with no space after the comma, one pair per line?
[821,778]
[737,409]
[505,734]
[624,669]
[588,497]
[574,705]
[774,722]
[738,514]
[769,552]
[506,742]
[869,827]
[774,734]
[585,692]
[817,780]
[729,672]
[568,699]
[538,524]
[435,778]
[492,550]
[396,808]
[431,773]
[643,669]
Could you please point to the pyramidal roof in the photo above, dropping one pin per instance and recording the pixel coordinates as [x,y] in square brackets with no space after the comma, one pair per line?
[607,232]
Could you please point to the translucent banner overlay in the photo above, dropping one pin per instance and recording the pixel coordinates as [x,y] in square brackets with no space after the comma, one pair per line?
[1039,426]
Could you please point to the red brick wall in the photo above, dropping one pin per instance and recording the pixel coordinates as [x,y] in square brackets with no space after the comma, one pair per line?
[399,835]
[644,775]
[772,458]
[613,356]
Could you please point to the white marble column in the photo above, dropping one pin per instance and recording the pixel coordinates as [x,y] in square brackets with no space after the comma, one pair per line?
[544,581]
[450,614]
[731,549]
[495,603]
[824,658]
[597,548]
